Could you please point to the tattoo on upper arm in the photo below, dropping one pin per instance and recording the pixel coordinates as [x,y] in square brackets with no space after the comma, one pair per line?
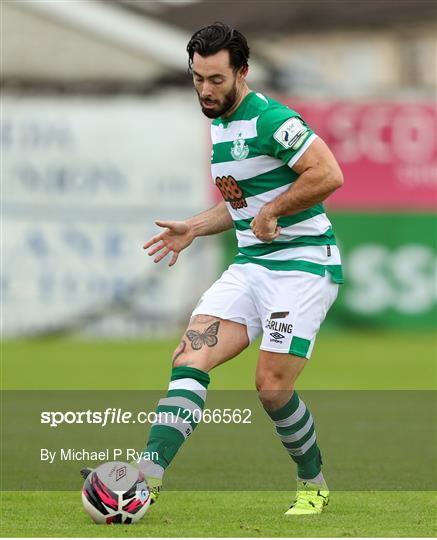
[209,337]
[180,350]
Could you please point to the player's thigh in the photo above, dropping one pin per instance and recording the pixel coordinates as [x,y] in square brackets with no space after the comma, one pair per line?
[292,312]
[210,341]
[278,371]
[223,323]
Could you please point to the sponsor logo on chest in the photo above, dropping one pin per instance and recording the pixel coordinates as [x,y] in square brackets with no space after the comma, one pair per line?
[231,191]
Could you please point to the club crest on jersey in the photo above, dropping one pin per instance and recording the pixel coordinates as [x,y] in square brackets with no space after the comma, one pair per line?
[239,149]
[291,134]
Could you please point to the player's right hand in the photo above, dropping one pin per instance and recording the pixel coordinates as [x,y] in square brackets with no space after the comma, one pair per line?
[176,237]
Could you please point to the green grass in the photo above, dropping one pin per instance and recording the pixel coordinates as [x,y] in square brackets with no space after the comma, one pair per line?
[352,361]
[232,514]
[358,360]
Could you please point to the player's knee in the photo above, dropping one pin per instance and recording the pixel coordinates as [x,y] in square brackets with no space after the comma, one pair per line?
[270,380]
[273,390]
[271,399]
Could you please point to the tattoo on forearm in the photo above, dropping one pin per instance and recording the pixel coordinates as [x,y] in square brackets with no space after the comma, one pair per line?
[180,350]
[199,339]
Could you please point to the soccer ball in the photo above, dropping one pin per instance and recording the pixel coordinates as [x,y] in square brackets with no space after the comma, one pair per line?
[116,492]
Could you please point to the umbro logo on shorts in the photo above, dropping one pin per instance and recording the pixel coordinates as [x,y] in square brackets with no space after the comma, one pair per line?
[277,335]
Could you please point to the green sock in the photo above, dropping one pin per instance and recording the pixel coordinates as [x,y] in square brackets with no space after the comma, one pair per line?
[178,415]
[295,427]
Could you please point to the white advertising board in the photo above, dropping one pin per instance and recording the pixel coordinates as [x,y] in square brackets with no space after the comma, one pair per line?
[83,181]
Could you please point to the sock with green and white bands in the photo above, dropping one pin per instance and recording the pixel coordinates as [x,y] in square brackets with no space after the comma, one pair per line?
[295,427]
[178,414]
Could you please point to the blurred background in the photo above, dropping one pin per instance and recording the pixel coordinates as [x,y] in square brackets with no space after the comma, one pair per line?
[101,134]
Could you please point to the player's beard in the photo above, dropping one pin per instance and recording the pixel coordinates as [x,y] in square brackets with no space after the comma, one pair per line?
[228,102]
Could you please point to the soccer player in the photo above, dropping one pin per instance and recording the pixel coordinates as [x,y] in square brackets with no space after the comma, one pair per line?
[274,174]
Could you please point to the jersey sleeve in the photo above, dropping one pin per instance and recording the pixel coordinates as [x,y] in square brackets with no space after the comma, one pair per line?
[283,134]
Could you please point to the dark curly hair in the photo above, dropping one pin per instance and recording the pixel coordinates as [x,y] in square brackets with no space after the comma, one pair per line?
[216,37]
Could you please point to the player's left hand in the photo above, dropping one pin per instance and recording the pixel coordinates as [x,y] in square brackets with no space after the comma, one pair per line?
[265,226]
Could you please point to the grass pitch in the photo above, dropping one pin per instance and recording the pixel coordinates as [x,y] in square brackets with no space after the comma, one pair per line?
[341,361]
[230,514]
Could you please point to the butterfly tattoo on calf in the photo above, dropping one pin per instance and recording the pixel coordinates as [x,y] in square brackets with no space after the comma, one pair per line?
[209,337]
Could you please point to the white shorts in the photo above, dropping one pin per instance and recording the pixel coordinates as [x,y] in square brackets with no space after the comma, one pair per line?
[287,307]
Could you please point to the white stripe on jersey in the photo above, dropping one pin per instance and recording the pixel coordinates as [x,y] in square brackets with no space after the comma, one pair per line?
[262,97]
[307,227]
[316,254]
[247,168]
[239,128]
[254,204]
[298,154]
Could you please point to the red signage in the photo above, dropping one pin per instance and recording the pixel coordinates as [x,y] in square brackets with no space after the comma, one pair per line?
[387,151]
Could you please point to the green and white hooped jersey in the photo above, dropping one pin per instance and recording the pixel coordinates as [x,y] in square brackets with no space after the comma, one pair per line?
[252,157]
